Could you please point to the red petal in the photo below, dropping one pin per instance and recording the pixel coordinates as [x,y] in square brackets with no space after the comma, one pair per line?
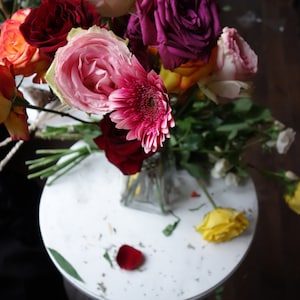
[129,258]
[195,194]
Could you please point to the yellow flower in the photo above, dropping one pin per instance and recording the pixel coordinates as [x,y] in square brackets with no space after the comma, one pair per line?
[293,199]
[222,224]
[187,74]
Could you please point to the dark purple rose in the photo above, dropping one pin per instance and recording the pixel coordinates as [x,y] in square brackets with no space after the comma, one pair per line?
[181,30]
[128,156]
[48,25]
[136,45]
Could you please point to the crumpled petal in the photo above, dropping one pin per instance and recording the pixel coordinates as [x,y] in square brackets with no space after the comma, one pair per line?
[129,258]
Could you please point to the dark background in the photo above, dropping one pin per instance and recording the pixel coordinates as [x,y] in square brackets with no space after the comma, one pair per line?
[271,270]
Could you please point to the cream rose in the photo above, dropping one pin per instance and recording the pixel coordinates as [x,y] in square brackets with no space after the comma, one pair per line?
[284,140]
[81,73]
[222,224]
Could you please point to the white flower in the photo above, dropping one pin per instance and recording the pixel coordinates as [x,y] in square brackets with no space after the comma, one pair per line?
[291,175]
[231,179]
[220,168]
[285,140]
[278,125]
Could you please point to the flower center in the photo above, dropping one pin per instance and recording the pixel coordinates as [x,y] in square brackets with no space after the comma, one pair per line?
[150,106]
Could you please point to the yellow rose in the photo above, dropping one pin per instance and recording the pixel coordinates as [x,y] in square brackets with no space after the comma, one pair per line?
[222,224]
[293,199]
[187,74]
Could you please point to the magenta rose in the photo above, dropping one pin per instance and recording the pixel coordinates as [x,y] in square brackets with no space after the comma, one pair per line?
[128,156]
[81,72]
[47,26]
[181,30]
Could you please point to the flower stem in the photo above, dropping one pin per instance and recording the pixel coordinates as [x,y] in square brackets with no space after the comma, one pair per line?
[211,200]
[63,114]
[4,11]
[266,172]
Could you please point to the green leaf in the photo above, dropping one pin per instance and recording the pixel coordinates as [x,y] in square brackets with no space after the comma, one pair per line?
[170,228]
[233,127]
[107,257]
[242,105]
[64,264]
[232,134]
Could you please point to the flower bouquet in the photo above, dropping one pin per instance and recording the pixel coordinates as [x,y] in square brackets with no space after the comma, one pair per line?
[140,78]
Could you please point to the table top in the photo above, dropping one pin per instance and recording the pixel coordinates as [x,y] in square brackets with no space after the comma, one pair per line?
[81,218]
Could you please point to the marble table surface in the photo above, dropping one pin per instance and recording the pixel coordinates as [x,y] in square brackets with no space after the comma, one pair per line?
[81,218]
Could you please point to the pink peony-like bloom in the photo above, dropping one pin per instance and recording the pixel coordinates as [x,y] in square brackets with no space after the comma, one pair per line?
[81,73]
[236,63]
[142,106]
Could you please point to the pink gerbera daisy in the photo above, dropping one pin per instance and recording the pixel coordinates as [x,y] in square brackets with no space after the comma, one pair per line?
[141,106]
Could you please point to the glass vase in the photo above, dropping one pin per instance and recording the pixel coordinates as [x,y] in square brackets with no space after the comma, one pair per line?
[150,190]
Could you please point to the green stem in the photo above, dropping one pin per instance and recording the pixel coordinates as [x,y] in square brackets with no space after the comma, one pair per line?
[266,172]
[4,11]
[67,169]
[186,95]
[211,200]
[15,6]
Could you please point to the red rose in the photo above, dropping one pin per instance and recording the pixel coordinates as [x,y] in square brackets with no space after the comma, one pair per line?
[128,156]
[47,26]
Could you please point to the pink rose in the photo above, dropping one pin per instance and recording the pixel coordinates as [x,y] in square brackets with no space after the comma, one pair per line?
[235,59]
[81,73]
[236,63]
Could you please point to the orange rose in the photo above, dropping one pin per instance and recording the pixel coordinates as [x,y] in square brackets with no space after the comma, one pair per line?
[25,59]
[187,74]
[14,117]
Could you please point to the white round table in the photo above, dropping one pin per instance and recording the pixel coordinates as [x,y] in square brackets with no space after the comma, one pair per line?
[82,219]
